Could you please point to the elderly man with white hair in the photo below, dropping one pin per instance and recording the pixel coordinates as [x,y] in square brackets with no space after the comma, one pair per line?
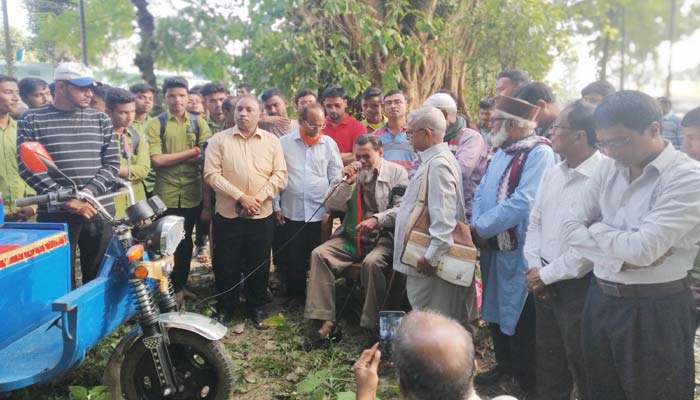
[468,145]
[502,204]
[426,129]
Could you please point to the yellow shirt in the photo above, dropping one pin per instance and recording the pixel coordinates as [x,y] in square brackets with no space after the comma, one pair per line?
[179,185]
[141,126]
[234,166]
[140,167]
[12,187]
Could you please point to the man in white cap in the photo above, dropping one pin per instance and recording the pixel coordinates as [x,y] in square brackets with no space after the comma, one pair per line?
[81,142]
[466,144]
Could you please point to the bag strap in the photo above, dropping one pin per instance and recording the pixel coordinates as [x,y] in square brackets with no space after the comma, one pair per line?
[135,139]
[194,122]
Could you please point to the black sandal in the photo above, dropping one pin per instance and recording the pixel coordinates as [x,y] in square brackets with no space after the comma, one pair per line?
[313,340]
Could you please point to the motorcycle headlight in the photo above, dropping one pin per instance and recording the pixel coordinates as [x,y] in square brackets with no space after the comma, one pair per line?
[167,234]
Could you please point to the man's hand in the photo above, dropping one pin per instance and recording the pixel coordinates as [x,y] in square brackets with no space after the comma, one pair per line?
[279,218]
[367,226]
[25,213]
[80,207]
[628,266]
[534,281]
[366,376]
[424,267]
[277,120]
[351,171]
[695,291]
[250,204]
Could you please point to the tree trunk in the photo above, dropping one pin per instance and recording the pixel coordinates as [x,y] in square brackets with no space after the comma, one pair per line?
[671,39]
[623,45]
[604,58]
[9,56]
[144,57]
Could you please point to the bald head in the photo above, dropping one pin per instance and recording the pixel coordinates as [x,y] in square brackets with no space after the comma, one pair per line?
[433,356]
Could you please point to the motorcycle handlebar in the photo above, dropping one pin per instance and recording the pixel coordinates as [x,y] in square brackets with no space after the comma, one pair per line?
[58,196]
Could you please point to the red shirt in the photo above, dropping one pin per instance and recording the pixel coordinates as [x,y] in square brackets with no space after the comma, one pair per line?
[344,132]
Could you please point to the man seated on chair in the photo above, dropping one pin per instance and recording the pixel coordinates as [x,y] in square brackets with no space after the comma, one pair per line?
[362,192]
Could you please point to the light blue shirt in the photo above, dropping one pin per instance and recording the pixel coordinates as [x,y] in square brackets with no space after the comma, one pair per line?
[310,171]
[503,272]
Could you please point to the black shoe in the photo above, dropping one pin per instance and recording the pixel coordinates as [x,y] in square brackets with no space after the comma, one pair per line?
[258,314]
[313,340]
[491,376]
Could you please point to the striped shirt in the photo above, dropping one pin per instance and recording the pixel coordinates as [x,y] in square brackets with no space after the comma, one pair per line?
[397,148]
[82,146]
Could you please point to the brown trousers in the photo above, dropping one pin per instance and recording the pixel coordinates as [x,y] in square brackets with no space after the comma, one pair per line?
[328,261]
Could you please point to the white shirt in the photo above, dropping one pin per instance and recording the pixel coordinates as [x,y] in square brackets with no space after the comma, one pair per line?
[638,222]
[310,171]
[560,190]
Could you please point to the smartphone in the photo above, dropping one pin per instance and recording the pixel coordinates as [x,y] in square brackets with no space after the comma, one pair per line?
[388,323]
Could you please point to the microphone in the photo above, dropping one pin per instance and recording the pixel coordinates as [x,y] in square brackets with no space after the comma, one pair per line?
[356,164]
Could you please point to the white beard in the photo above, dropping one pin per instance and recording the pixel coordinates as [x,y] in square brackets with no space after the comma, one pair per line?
[499,137]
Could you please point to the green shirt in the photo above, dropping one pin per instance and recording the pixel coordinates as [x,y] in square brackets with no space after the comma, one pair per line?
[180,185]
[12,187]
[140,167]
[213,126]
[141,126]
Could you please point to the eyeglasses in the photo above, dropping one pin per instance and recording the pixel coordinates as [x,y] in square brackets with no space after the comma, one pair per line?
[613,143]
[410,133]
[314,128]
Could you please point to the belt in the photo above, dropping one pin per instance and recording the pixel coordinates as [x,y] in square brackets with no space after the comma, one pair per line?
[644,290]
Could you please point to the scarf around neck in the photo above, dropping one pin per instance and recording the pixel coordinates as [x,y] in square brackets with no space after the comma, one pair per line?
[460,123]
[508,239]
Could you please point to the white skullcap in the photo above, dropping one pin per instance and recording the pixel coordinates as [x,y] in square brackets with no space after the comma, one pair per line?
[442,101]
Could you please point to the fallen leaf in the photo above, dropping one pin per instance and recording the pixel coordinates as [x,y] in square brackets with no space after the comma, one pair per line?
[238,328]
[250,377]
[275,321]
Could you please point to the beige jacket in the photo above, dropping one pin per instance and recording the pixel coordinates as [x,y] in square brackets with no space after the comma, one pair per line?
[390,176]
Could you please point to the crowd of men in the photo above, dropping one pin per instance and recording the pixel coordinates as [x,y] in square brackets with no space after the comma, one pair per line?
[586,217]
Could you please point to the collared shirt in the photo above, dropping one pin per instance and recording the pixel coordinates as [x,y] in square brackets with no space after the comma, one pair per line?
[235,166]
[280,131]
[445,204]
[344,132]
[213,126]
[397,148]
[310,171]
[559,191]
[178,185]
[12,187]
[390,176]
[638,222]
[140,126]
[139,167]
[472,155]
[371,127]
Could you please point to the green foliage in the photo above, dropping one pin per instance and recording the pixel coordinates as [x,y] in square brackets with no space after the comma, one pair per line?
[56,25]
[645,27]
[95,393]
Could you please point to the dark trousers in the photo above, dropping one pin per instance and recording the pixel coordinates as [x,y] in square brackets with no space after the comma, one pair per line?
[91,236]
[241,246]
[638,348]
[183,253]
[559,354]
[280,253]
[303,238]
[516,354]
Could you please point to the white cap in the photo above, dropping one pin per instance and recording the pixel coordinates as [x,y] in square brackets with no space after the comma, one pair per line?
[75,73]
[442,101]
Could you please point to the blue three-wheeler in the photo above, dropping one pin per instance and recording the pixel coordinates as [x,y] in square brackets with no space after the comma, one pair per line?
[47,328]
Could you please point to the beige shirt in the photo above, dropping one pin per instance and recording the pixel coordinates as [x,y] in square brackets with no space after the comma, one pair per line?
[234,166]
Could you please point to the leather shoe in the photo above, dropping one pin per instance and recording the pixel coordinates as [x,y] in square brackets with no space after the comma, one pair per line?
[258,314]
[491,376]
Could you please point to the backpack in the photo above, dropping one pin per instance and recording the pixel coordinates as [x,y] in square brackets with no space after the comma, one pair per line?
[135,139]
[162,119]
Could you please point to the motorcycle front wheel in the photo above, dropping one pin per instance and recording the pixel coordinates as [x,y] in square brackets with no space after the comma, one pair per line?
[203,368]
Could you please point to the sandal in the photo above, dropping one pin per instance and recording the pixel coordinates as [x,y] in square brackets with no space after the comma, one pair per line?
[313,340]
[203,254]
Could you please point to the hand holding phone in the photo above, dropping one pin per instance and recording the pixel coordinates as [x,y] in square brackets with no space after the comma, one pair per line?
[388,323]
